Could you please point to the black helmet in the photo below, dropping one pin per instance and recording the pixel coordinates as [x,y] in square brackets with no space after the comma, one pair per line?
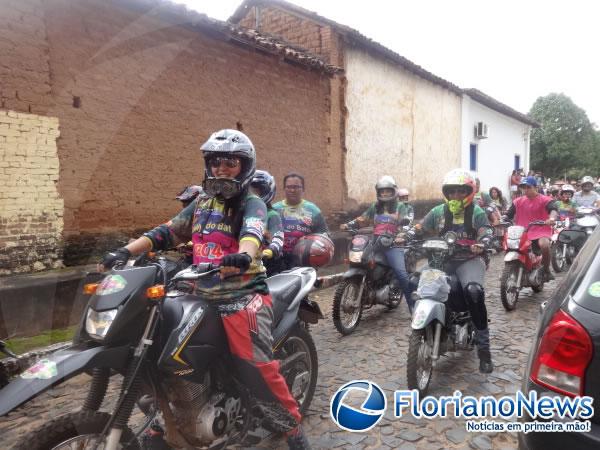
[264,185]
[189,193]
[228,143]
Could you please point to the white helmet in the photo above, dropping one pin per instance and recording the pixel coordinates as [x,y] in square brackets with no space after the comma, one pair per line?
[386,182]
[567,188]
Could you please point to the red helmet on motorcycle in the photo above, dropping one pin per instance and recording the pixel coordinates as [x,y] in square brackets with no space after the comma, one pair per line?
[314,250]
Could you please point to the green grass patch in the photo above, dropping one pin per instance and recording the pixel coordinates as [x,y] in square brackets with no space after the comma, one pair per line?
[25,344]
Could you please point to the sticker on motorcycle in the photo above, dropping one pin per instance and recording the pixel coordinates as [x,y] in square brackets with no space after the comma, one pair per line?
[44,369]
[594,289]
[111,284]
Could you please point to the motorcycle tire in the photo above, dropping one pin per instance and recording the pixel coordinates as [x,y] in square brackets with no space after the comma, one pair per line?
[418,347]
[559,264]
[509,299]
[299,340]
[338,313]
[65,429]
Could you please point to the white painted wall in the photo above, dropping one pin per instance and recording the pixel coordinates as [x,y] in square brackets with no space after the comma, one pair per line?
[507,137]
[398,124]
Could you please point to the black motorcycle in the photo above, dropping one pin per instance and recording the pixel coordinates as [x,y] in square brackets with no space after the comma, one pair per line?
[369,281]
[174,359]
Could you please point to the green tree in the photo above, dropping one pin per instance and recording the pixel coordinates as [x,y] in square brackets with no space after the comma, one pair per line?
[566,143]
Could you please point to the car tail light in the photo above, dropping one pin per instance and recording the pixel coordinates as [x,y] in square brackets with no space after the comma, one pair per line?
[563,356]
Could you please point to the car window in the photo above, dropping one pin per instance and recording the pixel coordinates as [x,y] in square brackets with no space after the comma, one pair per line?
[587,287]
[578,271]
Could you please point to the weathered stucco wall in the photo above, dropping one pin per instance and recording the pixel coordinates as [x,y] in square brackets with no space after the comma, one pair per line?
[398,124]
[507,137]
[31,210]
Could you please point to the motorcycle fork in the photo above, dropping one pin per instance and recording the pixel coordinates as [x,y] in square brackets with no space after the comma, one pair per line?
[564,251]
[130,387]
[435,354]
[519,277]
[361,289]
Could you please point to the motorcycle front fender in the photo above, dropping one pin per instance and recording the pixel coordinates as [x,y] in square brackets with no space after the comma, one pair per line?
[426,311]
[513,256]
[354,272]
[59,367]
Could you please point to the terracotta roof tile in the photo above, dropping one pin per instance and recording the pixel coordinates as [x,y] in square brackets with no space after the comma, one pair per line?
[230,31]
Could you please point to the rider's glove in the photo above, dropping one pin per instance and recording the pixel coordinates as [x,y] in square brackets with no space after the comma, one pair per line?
[120,255]
[240,260]
[267,253]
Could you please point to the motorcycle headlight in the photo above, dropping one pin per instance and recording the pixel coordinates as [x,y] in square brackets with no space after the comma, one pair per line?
[98,323]
[355,257]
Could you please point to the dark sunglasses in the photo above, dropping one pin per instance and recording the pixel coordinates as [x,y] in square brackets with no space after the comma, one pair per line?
[218,160]
[457,190]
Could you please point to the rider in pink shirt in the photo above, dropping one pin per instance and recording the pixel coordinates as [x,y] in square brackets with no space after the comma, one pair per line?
[531,207]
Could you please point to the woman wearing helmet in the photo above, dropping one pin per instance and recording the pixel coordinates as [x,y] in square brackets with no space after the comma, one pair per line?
[460,214]
[188,194]
[388,215]
[587,197]
[227,228]
[263,185]
[567,207]
[403,195]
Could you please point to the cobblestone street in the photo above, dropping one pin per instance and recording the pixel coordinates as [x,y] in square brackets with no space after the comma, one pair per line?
[377,351]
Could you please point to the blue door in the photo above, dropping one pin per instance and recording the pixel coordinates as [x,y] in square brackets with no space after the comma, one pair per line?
[473,157]
[517,162]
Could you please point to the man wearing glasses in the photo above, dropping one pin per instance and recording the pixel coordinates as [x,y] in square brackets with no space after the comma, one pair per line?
[298,216]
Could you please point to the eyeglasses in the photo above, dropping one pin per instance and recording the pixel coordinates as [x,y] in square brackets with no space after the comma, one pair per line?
[456,190]
[229,162]
[296,187]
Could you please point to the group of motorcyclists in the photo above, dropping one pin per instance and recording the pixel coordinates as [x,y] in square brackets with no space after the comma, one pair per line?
[231,220]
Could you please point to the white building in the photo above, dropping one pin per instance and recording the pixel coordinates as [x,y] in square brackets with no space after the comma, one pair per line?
[494,139]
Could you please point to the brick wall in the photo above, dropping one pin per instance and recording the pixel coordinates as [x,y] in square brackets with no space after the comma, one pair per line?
[31,210]
[137,94]
[306,33]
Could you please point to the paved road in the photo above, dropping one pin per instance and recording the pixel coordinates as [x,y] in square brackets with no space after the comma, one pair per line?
[376,351]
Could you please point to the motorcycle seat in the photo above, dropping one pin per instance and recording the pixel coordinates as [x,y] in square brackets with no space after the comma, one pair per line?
[283,289]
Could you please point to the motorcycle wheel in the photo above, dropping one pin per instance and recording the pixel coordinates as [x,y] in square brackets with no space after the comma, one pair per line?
[509,291]
[301,375]
[76,430]
[559,262]
[346,313]
[419,365]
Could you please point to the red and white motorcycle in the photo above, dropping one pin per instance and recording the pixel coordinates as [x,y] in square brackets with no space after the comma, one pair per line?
[522,265]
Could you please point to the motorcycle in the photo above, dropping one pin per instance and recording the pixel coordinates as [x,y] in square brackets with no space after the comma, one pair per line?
[493,215]
[587,219]
[441,321]
[522,265]
[562,254]
[369,281]
[174,359]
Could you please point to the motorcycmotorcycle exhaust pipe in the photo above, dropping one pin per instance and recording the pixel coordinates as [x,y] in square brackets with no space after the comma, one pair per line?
[382,295]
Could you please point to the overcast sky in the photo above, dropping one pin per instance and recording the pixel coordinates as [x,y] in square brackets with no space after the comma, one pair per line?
[514,51]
